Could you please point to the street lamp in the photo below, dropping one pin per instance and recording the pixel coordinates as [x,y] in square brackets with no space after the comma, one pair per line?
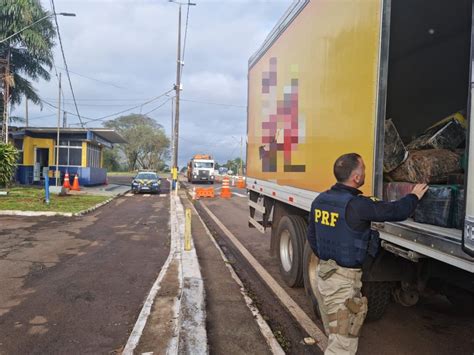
[178,89]
[34,23]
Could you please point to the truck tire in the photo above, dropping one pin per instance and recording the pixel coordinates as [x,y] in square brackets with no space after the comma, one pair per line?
[378,294]
[310,261]
[291,235]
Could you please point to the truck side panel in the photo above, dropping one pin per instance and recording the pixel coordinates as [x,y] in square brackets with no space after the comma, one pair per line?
[313,93]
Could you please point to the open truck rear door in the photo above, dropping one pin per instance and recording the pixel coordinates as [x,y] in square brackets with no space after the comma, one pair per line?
[468,233]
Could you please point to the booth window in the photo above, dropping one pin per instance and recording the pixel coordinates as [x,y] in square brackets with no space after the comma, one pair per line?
[18,143]
[70,153]
[93,156]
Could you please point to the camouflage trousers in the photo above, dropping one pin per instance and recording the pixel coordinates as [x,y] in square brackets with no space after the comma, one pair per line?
[342,306]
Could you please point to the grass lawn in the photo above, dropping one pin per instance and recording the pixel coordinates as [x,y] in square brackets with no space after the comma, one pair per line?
[32,199]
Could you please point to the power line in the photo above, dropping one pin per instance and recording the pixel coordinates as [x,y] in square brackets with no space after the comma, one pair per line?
[115,113]
[98,80]
[213,103]
[65,63]
[129,109]
[97,99]
[185,36]
[157,107]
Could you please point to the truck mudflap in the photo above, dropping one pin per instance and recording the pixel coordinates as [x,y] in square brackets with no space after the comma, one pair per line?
[264,210]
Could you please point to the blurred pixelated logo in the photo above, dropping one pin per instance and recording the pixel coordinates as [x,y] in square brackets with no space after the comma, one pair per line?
[283,128]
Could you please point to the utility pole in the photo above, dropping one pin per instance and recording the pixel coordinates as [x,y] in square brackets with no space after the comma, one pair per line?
[57,135]
[26,112]
[179,66]
[172,129]
[6,97]
[176,117]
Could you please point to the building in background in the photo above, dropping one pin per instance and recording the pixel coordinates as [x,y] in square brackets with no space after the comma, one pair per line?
[80,152]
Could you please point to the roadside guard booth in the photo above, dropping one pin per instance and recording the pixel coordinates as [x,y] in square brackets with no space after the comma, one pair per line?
[80,152]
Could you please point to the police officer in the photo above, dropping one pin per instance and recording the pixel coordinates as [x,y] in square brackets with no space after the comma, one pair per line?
[340,235]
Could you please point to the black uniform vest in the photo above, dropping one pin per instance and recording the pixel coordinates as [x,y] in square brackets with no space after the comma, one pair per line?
[334,238]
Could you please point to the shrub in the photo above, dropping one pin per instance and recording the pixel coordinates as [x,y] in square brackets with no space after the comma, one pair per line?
[8,162]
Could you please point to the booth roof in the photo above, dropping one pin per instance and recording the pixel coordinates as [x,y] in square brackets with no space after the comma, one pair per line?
[109,135]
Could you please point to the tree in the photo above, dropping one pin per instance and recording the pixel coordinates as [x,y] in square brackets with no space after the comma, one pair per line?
[148,145]
[30,51]
[234,165]
[8,160]
[112,160]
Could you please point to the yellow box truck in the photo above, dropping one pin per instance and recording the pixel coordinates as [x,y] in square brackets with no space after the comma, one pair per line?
[323,84]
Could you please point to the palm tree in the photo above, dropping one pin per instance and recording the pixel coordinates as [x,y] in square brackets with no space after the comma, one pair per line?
[30,52]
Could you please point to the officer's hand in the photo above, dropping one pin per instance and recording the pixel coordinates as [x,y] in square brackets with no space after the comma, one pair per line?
[419,190]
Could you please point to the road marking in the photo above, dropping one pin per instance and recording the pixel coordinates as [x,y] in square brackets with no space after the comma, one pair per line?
[300,316]
[162,195]
[238,194]
[262,324]
[146,195]
[129,194]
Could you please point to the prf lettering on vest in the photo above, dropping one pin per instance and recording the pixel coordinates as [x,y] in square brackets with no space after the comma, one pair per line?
[327,218]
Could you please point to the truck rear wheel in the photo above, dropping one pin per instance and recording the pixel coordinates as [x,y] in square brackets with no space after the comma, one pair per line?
[291,235]
[310,262]
[378,294]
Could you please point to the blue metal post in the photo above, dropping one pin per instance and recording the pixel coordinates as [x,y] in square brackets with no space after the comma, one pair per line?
[46,189]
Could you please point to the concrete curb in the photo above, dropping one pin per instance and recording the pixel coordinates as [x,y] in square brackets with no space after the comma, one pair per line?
[191,327]
[62,214]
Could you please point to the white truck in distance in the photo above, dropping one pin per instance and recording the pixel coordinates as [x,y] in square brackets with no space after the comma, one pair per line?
[201,169]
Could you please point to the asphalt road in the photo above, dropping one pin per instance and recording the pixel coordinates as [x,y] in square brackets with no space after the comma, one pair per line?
[76,285]
[431,327]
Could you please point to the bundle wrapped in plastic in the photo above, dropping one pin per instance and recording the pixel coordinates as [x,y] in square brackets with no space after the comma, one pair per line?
[394,152]
[431,166]
[393,191]
[435,207]
[449,133]
[458,208]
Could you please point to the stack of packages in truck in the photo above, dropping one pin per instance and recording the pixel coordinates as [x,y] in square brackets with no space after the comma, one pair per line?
[436,157]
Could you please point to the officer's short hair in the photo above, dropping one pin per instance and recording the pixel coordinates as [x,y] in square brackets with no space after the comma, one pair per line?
[345,165]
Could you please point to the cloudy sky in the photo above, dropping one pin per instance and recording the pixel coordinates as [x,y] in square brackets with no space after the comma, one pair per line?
[122,53]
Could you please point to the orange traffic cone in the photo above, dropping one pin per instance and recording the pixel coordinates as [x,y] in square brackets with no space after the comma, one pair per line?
[75,184]
[240,183]
[67,183]
[225,191]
